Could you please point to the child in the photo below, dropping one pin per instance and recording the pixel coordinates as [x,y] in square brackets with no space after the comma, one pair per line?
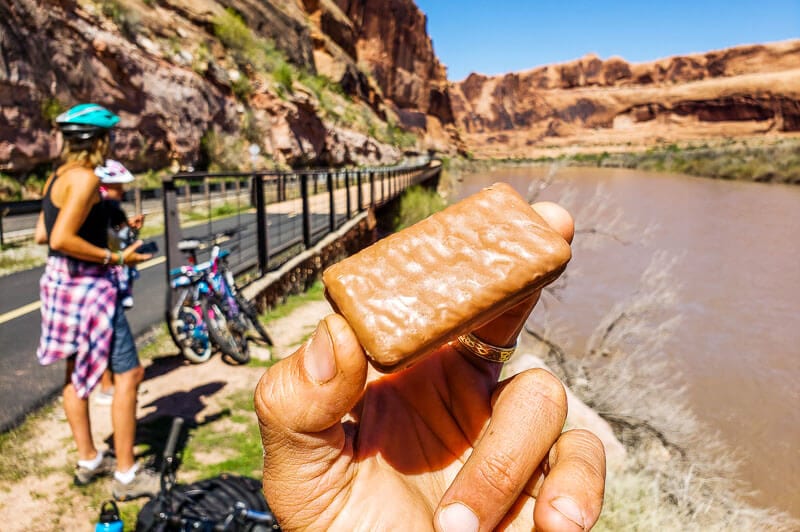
[113,176]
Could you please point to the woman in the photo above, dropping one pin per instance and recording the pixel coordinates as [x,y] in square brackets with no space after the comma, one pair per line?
[82,319]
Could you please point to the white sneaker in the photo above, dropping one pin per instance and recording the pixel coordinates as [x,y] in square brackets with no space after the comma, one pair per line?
[104,398]
[127,302]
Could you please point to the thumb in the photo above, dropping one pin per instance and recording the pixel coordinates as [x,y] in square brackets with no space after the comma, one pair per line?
[301,400]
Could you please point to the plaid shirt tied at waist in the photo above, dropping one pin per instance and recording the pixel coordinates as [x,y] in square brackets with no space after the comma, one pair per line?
[78,304]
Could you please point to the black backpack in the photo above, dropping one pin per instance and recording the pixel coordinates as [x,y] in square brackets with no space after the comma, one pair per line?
[207,505]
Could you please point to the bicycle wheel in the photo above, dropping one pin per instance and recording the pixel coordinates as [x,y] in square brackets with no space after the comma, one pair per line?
[251,315]
[190,334]
[224,332]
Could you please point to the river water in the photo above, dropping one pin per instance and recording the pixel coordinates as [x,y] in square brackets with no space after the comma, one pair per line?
[737,247]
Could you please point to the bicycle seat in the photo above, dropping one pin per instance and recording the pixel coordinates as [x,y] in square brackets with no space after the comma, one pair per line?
[189,245]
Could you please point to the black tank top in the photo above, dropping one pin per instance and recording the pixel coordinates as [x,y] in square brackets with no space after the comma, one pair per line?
[94,229]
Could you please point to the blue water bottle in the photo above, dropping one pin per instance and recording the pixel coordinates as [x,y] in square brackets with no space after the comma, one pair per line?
[109,518]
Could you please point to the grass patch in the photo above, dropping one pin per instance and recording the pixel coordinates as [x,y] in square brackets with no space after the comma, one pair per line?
[157,343]
[218,211]
[242,454]
[18,459]
[773,162]
[21,256]
[314,293]
[417,203]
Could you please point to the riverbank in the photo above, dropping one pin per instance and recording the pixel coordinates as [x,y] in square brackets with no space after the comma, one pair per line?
[759,159]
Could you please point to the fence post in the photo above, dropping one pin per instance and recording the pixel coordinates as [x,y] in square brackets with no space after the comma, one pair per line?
[137,200]
[347,189]
[306,211]
[372,188]
[207,195]
[261,224]
[2,238]
[360,195]
[172,234]
[331,201]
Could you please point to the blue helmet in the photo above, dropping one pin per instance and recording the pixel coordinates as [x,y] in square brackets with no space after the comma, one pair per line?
[86,121]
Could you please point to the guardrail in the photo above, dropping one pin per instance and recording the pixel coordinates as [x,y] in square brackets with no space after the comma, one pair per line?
[266,218]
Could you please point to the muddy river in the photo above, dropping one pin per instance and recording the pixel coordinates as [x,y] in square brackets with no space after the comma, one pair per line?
[737,277]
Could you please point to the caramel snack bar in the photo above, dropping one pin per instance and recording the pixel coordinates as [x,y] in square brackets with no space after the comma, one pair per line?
[415,290]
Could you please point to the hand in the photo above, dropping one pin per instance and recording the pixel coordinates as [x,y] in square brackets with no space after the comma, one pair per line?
[136,222]
[131,257]
[439,445]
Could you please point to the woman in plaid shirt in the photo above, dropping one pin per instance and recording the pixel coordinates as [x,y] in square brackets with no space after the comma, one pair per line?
[82,319]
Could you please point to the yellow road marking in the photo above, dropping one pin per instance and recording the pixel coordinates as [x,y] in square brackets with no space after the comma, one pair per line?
[21,311]
[32,307]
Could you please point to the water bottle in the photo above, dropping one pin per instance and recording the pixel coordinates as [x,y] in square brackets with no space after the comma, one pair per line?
[109,518]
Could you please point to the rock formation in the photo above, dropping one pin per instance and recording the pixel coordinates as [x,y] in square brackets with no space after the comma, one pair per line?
[201,79]
[594,104]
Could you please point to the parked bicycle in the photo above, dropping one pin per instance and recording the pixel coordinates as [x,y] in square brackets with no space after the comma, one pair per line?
[209,308]
[223,503]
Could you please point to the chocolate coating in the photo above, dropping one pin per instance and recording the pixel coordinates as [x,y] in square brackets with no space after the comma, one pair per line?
[415,290]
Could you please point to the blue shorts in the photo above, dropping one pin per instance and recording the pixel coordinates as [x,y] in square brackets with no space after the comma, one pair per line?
[123,348]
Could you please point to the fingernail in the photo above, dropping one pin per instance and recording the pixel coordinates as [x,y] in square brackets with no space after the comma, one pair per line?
[319,360]
[458,518]
[569,509]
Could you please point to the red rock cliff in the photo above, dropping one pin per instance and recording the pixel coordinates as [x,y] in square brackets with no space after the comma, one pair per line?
[747,90]
[175,74]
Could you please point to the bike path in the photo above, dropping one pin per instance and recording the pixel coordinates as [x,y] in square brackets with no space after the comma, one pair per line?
[24,384]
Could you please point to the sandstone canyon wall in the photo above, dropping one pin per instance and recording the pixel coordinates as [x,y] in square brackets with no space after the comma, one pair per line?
[592,104]
[175,73]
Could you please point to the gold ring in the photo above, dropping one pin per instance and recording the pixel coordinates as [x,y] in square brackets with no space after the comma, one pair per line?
[486,351]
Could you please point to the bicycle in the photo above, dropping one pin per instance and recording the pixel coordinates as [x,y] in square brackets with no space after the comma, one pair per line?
[185,319]
[200,507]
[227,315]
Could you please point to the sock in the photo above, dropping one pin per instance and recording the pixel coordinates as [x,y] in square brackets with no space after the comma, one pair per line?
[92,464]
[128,476]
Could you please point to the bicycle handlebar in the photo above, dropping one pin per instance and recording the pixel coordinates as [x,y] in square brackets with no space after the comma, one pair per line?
[172,440]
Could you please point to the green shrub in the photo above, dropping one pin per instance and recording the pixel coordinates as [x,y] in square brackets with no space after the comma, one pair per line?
[284,77]
[51,108]
[417,203]
[242,88]
[128,20]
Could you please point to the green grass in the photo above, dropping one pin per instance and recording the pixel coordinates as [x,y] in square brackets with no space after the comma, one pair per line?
[20,256]
[314,293]
[218,211]
[416,204]
[18,459]
[234,437]
[767,161]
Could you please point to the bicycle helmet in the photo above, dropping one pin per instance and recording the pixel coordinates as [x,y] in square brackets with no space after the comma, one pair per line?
[86,121]
[113,172]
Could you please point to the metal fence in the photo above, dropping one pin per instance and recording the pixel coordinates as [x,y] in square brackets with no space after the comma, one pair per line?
[265,218]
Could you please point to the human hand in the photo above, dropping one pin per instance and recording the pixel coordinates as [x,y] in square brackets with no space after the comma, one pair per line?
[441,445]
[136,222]
[131,256]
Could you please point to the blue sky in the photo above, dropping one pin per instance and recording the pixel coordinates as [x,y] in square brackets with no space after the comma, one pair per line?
[498,36]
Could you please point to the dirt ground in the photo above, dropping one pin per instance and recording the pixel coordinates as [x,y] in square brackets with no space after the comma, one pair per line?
[46,500]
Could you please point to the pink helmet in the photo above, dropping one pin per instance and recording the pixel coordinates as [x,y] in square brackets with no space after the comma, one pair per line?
[113,172]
